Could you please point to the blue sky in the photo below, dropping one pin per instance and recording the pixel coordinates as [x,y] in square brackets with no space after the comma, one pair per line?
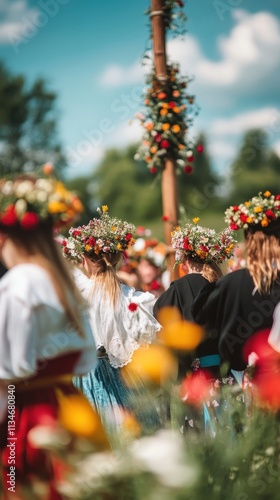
[90,51]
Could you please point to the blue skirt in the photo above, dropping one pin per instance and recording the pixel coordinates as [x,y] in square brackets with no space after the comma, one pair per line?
[111,398]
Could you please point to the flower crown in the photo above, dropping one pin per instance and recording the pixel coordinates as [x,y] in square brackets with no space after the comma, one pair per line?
[261,209]
[202,244]
[105,235]
[29,200]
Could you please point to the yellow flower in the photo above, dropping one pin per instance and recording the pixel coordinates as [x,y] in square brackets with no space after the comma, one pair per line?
[264,222]
[247,203]
[88,248]
[165,126]
[267,194]
[258,210]
[119,247]
[249,220]
[104,209]
[113,228]
[176,109]
[181,146]
[196,220]
[153,150]
[163,112]
[176,128]
[55,207]
[164,105]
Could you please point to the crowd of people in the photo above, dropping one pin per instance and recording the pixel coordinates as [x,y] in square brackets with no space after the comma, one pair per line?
[75,309]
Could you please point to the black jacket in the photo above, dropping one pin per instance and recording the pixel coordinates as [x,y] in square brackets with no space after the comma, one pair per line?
[235,311]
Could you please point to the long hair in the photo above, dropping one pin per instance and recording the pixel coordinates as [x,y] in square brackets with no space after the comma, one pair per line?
[210,271]
[106,278]
[41,249]
[262,258]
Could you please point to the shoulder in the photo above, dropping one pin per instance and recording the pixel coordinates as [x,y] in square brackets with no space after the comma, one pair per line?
[234,278]
[130,294]
[30,284]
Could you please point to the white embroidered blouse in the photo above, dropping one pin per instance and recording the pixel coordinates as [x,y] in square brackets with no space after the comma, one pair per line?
[119,330]
[34,326]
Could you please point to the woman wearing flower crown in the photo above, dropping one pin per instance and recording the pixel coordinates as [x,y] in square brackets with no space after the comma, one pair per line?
[200,250]
[121,318]
[242,303]
[45,335]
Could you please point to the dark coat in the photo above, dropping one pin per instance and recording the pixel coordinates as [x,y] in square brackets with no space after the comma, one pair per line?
[235,310]
[181,294]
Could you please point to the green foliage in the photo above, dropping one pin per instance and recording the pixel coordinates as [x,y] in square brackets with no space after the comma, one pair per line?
[28,124]
[256,168]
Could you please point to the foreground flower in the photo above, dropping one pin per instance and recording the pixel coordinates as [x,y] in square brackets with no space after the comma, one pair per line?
[155,365]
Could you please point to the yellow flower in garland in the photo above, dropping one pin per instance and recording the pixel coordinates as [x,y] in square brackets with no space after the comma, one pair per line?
[104,208]
[247,203]
[88,248]
[267,194]
[163,112]
[176,128]
[153,149]
[196,220]
[176,109]
[165,126]
[258,210]
[164,105]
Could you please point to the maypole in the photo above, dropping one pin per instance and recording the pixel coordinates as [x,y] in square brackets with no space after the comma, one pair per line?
[169,181]
[168,114]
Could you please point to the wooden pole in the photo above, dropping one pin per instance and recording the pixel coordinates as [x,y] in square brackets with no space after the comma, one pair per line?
[169,181]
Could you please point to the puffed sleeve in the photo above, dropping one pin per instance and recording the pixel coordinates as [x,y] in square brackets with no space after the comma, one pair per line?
[274,336]
[17,354]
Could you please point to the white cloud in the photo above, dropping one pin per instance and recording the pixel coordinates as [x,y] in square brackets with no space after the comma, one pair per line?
[249,60]
[115,75]
[126,133]
[16,16]
[265,118]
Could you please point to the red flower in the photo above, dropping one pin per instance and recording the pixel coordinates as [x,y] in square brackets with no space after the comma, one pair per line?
[165,144]
[66,250]
[191,158]
[172,104]
[277,197]
[204,248]
[270,214]
[199,148]
[180,3]
[76,232]
[29,220]
[9,218]
[132,306]
[158,137]
[64,243]
[235,208]
[165,218]
[186,243]
[188,169]
[243,217]
[234,226]
[195,388]
[128,237]
[155,285]
[91,241]
[153,170]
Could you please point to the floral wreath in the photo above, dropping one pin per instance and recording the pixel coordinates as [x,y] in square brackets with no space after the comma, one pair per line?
[28,200]
[261,210]
[100,236]
[202,244]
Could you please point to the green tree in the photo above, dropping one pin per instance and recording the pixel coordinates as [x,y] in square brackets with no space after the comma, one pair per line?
[198,191]
[256,168]
[127,187]
[28,124]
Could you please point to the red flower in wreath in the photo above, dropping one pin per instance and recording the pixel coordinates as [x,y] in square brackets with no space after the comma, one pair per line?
[165,144]
[9,218]
[234,226]
[128,237]
[270,214]
[30,220]
[243,217]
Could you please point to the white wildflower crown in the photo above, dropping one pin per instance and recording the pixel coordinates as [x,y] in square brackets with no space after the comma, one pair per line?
[202,244]
[260,211]
[100,236]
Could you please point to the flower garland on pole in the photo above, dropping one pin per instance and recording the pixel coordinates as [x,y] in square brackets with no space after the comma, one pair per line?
[169,108]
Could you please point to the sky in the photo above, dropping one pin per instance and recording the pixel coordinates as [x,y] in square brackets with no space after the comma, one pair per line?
[90,54]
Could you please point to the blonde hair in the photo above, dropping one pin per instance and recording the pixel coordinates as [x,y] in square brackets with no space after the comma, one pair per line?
[210,270]
[106,278]
[262,258]
[41,249]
